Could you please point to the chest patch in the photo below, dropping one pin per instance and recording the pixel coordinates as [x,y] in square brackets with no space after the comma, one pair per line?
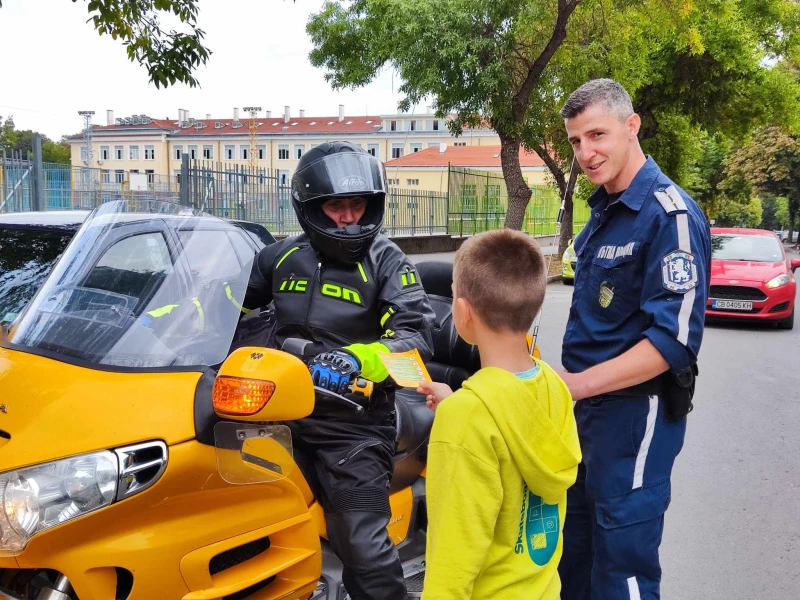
[612,252]
[679,272]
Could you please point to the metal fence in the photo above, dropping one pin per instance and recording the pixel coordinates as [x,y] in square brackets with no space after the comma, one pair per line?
[475,201]
[64,187]
[479,200]
[237,192]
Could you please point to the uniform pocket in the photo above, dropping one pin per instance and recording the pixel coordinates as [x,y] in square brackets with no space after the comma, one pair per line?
[615,287]
[636,506]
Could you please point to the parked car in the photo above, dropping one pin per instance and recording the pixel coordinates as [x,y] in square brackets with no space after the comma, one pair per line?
[568,262]
[31,242]
[784,235]
[751,277]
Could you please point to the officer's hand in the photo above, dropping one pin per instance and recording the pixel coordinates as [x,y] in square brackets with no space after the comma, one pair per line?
[334,370]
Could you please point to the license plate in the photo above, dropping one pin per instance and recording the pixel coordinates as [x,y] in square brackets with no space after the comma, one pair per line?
[732,304]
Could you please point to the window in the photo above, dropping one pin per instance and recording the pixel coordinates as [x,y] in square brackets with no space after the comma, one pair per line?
[415,148]
[119,176]
[230,151]
[151,175]
[133,152]
[178,152]
[374,149]
[412,126]
[392,125]
[262,153]
[134,170]
[461,144]
[397,150]
[412,181]
[177,174]
[244,152]
[208,152]
[433,144]
[192,152]
[392,182]
[469,197]
[104,153]
[435,125]
[132,266]
[195,248]
[84,154]
[283,152]
[299,150]
[119,152]
[493,199]
[283,177]
[149,153]
[106,176]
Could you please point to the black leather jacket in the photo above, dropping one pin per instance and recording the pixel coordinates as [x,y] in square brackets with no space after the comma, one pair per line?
[334,305]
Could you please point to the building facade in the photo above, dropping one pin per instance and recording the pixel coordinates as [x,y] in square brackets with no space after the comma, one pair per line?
[156,147]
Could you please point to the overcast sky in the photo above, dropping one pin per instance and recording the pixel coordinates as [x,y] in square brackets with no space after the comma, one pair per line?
[55,64]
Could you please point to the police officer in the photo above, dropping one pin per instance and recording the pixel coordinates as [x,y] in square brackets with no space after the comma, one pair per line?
[633,336]
[354,295]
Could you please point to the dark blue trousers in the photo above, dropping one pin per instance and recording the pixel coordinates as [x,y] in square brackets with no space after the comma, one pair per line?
[615,510]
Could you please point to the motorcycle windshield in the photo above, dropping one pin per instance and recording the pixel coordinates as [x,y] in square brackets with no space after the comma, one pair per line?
[144,284]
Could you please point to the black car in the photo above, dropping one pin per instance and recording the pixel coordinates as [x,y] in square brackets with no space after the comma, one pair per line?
[32,242]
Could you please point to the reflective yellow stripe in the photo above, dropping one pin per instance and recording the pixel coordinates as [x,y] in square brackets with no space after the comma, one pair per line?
[363,274]
[164,310]
[389,333]
[229,294]
[283,258]
[385,317]
[199,306]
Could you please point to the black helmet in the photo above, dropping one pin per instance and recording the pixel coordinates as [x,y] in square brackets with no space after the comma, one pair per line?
[339,170]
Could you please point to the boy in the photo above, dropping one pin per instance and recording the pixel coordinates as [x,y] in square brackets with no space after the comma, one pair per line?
[504,449]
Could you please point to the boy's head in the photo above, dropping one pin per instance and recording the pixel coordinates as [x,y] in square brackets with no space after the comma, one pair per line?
[499,282]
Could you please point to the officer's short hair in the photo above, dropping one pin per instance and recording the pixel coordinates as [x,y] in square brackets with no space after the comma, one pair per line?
[502,275]
[607,92]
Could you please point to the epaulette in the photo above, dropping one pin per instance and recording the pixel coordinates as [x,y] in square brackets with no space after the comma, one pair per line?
[670,199]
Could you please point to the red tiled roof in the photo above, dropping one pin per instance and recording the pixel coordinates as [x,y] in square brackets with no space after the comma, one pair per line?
[271,125]
[462,156]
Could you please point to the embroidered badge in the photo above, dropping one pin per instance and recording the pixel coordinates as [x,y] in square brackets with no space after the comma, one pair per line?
[606,294]
[678,272]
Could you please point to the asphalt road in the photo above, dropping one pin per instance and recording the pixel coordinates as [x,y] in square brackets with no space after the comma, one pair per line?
[733,528]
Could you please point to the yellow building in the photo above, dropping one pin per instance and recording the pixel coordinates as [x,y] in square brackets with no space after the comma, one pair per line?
[156,146]
[428,169]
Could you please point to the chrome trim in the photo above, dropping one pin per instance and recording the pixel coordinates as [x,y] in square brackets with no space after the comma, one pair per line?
[10,595]
[130,465]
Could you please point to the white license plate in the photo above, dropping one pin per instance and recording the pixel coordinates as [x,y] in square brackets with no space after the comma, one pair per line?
[732,304]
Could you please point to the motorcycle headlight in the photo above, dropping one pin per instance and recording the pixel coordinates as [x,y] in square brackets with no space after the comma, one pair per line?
[779,281]
[40,497]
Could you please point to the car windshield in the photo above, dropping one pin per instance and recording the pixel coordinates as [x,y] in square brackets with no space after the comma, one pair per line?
[755,248]
[143,284]
[27,255]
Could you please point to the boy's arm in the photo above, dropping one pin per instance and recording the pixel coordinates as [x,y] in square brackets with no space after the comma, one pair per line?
[464,499]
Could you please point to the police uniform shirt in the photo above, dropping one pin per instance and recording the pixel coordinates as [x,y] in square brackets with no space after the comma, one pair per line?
[642,273]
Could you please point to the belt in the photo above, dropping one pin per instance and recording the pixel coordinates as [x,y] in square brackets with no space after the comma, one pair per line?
[651,387]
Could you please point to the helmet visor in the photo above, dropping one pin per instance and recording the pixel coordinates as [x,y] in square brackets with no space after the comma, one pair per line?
[344,174]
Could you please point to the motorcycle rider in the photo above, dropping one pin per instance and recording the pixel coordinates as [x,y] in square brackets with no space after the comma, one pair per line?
[353,294]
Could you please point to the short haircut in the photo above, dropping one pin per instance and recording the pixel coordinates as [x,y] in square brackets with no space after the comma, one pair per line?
[607,92]
[502,274]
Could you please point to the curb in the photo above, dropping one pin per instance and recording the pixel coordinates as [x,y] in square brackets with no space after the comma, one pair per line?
[552,278]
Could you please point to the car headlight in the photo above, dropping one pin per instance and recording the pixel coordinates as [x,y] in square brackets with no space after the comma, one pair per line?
[569,255]
[779,281]
[40,497]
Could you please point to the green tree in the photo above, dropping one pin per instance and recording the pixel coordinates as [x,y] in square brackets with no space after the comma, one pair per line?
[770,163]
[169,56]
[481,60]
[14,140]
[8,133]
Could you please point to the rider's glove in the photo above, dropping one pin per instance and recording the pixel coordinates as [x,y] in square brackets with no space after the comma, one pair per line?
[334,370]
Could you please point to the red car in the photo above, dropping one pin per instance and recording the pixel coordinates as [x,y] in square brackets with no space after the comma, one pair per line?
[751,277]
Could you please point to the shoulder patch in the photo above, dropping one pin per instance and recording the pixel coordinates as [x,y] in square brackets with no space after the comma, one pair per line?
[679,272]
[670,199]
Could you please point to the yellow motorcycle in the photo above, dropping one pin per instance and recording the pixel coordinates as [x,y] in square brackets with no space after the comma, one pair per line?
[150,462]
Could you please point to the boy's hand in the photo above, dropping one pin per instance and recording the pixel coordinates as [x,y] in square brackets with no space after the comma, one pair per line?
[435,392]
